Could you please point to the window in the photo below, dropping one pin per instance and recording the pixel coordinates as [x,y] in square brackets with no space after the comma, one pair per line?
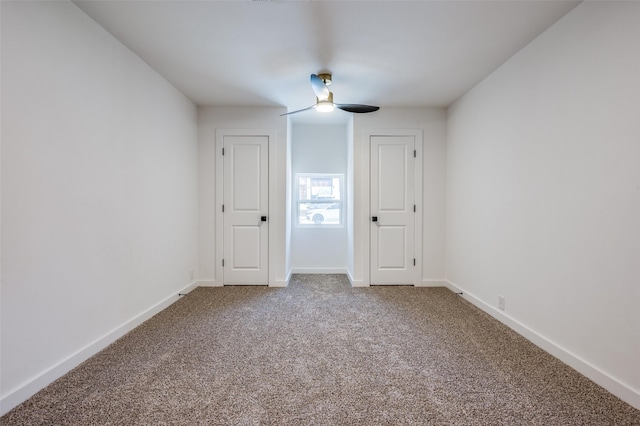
[319,199]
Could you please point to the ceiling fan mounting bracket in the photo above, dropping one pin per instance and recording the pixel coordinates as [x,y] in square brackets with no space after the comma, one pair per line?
[325,77]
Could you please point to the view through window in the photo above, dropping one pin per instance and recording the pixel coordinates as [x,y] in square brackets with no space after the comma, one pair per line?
[319,199]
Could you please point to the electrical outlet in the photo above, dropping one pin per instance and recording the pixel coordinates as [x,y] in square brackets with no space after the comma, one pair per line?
[501,302]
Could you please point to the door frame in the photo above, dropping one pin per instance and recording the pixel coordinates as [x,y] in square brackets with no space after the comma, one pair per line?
[219,197]
[365,216]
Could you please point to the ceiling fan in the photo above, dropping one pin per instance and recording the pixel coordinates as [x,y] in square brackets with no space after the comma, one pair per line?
[324,98]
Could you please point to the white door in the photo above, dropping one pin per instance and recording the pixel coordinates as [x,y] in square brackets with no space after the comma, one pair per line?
[392,209]
[246,206]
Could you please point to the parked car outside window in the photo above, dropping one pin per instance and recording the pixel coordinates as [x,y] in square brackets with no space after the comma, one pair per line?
[329,214]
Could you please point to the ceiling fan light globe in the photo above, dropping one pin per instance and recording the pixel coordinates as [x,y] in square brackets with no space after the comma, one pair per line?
[325,106]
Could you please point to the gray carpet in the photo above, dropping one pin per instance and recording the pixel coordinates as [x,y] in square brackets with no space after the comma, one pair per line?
[322,353]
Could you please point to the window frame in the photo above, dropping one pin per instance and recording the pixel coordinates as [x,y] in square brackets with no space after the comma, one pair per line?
[325,202]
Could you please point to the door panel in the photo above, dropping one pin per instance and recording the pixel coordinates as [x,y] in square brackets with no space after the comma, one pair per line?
[389,239]
[392,177]
[246,200]
[246,176]
[246,247]
[392,204]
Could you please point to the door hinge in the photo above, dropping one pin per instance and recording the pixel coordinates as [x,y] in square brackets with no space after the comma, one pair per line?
[223,263]
[414,208]
[222,151]
[414,262]
[415,153]
[223,208]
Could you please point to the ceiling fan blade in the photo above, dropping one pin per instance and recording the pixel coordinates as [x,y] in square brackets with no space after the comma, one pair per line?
[357,108]
[319,88]
[300,110]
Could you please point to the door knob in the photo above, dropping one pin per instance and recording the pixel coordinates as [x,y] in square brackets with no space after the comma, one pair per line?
[374,218]
[263,218]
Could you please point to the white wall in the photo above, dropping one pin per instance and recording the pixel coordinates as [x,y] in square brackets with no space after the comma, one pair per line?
[319,148]
[259,118]
[543,187]
[432,123]
[99,198]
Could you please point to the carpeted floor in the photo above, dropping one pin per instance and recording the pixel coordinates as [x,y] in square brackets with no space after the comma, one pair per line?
[322,353]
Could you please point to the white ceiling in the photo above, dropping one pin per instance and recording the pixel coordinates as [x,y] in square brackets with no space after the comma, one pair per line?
[386,53]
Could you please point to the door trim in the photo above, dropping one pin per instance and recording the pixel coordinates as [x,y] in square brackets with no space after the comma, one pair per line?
[219,197]
[365,216]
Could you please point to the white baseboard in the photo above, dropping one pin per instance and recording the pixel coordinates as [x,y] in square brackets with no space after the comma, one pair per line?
[279,284]
[432,283]
[214,283]
[423,283]
[318,271]
[354,282]
[613,385]
[208,283]
[28,389]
